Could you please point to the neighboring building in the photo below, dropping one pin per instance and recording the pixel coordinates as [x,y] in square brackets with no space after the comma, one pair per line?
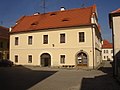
[4,43]
[107,50]
[61,38]
[114,20]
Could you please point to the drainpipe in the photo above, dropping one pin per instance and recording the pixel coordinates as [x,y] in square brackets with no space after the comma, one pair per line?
[93,46]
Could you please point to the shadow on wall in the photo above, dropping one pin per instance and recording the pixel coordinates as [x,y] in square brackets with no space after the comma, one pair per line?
[103,82]
[117,56]
[21,78]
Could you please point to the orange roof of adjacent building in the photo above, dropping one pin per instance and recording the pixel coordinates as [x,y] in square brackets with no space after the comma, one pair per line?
[106,44]
[4,32]
[116,11]
[58,19]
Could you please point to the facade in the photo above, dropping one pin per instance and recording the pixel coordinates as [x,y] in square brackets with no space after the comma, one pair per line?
[107,51]
[4,43]
[57,39]
[114,21]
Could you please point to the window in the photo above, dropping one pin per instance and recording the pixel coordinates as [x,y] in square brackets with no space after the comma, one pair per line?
[45,39]
[111,51]
[16,58]
[29,40]
[104,57]
[106,51]
[62,38]
[81,37]
[29,58]
[16,40]
[62,59]
[1,44]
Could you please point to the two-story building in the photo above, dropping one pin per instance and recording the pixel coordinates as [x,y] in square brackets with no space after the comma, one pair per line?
[61,38]
[107,50]
[114,21]
[4,42]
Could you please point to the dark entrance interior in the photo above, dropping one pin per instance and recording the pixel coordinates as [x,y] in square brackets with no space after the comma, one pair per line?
[82,59]
[45,60]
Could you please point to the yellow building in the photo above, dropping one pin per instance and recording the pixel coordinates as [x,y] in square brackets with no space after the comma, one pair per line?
[4,43]
[63,38]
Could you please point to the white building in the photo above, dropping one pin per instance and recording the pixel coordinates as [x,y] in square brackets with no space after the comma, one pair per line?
[114,21]
[61,38]
[107,50]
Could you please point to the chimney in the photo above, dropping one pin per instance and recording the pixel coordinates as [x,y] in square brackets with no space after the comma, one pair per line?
[62,9]
[10,29]
[37,13]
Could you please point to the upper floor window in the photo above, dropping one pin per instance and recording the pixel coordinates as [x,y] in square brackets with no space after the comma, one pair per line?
[30,40]
[81,37]
[45,39]
[29,58]
[62,59]
[16,40]
[62,38]
[106,51]
[111,51]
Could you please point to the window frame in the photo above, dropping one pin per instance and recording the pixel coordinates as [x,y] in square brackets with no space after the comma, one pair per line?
[30,58]
[16,41]
[30,40]
[62,59]
[81,37]
[62,37]
[45,39]
[16,58]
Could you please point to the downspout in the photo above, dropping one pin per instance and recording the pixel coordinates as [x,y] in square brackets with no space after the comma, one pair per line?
[93,46]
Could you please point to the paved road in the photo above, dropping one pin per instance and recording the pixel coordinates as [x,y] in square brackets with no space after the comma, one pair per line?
[36,78]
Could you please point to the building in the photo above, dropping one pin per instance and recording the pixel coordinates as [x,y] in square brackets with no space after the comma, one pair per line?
[114,22]
[63,38]
[107,50]
[4,43]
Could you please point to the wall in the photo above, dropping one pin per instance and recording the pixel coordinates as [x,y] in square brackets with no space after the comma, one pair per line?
[70,48]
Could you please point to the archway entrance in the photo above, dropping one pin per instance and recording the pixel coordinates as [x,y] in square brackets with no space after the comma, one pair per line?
[45,60]
[82,59]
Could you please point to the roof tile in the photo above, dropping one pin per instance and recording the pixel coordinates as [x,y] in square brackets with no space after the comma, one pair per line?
[67,18]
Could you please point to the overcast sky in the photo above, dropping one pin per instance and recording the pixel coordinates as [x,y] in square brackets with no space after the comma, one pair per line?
[12,10]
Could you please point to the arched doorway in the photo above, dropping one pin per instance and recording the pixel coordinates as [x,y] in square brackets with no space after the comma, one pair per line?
[45,60]
[82,59]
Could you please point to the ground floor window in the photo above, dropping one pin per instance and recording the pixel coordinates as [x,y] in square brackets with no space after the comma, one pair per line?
[16,58]
[29,58]
[62,59]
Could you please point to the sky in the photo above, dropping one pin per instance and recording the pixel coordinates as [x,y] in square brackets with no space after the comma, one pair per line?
[12,10]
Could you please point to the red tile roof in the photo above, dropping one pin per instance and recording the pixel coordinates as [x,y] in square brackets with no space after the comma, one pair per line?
[4,32]
[67,18]
[106,44]
[116,11]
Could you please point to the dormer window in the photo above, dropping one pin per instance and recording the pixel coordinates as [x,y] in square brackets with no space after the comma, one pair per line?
[34,23]
[52,14]
[65,19]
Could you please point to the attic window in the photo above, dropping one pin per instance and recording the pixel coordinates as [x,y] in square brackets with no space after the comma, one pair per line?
[65,19]
[34,23]
[52,14]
